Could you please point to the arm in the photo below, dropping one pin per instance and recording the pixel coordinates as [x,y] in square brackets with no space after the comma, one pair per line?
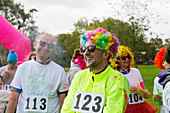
[118,94]
[13,100]
[66,108]
[62,97]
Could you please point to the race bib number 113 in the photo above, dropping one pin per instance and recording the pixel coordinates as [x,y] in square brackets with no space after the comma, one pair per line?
[88,102]
[36,103]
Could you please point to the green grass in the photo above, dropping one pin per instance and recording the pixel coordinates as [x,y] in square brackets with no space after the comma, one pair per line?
[149,72]
[66,69]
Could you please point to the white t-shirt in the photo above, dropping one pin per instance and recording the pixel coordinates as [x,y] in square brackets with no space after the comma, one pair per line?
[166,98]
[134,77]
[42,81]
[159,87]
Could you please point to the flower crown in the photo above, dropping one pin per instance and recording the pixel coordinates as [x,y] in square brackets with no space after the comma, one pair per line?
[160,58]
[122,51]
[106,40]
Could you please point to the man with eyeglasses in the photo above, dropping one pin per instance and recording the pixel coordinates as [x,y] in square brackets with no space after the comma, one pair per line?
[40,83]
[98,89]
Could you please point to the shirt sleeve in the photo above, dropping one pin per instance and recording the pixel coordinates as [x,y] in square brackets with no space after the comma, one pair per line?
[155,86]
[64,84]
[117,98]
[16,82]
[139,75]
[66,108]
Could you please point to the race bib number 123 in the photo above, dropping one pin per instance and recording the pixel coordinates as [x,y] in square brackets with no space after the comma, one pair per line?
[88,102]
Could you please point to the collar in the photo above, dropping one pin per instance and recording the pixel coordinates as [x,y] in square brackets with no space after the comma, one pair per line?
[101,70]
[164,77]
[126,71]
[99,76]
[45,62]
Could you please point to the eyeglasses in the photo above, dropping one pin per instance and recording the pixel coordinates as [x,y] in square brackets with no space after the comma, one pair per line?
[11,62]
[124,57]
[90,48]
[43,44]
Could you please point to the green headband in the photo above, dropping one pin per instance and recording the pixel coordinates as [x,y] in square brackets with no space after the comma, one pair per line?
[12,63]
[100,47]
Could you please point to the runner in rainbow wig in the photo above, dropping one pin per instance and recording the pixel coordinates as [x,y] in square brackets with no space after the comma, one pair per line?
[99,88]
[123,63]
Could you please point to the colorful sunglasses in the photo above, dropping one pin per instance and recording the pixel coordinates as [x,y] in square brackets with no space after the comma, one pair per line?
[12,62]
[43,44]
[90,48]
[124,57]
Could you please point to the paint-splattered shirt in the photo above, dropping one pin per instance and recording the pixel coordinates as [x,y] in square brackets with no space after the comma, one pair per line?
[110,83]
[40,85]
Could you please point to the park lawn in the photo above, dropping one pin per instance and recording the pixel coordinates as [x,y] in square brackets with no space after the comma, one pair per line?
[149,72]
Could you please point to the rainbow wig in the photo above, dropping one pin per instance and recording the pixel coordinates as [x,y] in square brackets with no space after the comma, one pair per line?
[160,58]
[106,40]
[122,51]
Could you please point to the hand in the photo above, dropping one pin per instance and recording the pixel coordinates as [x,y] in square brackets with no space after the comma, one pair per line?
[157,97]
[4,73]
[132,89]
[147,95]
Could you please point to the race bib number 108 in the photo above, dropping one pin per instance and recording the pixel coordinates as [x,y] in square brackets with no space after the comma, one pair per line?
[36,104]
[88,102]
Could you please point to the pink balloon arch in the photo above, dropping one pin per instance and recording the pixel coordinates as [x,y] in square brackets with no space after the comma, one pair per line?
[11,38]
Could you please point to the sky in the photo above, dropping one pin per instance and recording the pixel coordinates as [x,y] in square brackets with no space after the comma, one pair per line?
[59,16]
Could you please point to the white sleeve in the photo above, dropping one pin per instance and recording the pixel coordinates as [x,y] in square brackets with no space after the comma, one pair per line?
[16,82]
[64,84]
[139,75]
[155,86]
[166,97]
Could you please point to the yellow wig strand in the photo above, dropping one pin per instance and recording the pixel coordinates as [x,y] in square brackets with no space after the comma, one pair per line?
[122,51]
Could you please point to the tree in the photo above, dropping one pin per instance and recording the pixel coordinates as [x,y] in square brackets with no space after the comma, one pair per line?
[69,42]
[138,14]
[167,42]
[16,15]
[128,34]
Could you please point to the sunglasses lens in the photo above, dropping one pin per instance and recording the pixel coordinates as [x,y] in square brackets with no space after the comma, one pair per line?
[50,46]
[123,58]
[83,49]
[42,43]
[128,57]
[91,48]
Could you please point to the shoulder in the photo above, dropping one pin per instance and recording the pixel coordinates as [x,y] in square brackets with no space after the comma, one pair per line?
[3,68]
[114,74]
[56,66]
[82,74]
[134,69]
[26,63]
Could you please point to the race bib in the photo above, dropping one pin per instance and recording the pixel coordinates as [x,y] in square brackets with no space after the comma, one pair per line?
[135,98]
[36,104]
[88,102]
[6,87]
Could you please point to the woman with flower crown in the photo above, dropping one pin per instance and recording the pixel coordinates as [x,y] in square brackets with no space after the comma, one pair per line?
[123,63]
